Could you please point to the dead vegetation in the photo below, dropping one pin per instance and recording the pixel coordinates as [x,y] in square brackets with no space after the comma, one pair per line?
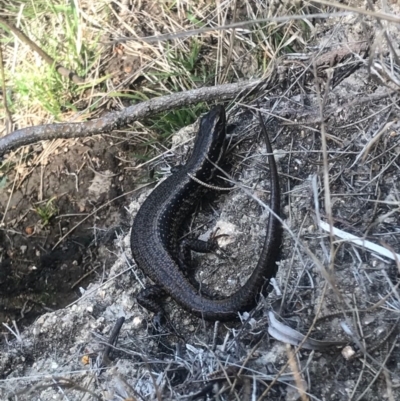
[331,105]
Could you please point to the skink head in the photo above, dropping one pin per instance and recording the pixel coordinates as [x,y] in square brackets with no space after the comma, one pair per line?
[210,141]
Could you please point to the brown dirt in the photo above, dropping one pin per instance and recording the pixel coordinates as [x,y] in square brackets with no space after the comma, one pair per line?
[38,273]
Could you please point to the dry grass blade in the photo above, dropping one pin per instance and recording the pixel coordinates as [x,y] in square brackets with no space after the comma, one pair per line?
[359,10]
[299,380]
[236,25]
[49,60]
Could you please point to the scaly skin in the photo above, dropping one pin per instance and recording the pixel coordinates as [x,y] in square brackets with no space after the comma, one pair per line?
[154,238]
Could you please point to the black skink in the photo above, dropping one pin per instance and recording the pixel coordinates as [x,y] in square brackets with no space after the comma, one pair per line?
[155,230]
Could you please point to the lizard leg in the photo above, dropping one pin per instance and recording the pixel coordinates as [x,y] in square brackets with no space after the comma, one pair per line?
[186,264]
[150,298]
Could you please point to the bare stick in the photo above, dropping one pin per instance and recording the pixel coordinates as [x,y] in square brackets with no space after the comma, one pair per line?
[118,119]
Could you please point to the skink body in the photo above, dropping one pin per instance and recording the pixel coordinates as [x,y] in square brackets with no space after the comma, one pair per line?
[157,225]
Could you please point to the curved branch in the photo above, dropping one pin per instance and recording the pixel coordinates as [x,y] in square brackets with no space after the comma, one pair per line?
[118,119]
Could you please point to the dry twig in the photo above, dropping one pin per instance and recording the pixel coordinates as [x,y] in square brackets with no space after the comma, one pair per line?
[118,119]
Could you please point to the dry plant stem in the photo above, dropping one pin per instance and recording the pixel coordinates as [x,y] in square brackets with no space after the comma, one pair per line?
[242,24]
[380,342]
[65,72]
[84,276]
[56,382]
[94,212]
[240,372]
[297,376]
[385,33]
[328,204]
[118,119]
[132,395]
[90,292]
[266,391]
[8,122]
[291,266]
[11,193]
[378,373]
[231,44]
[361,11]
[370,309]
[153,379]
[362,371]
[389,386]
